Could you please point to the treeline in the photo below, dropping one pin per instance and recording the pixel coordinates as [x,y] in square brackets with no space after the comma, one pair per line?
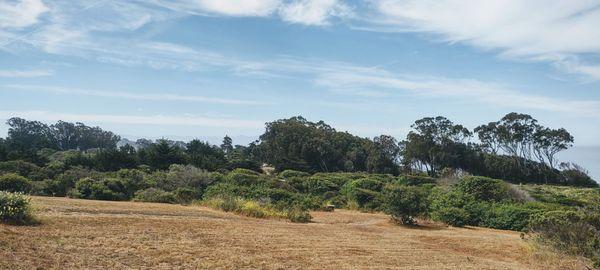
[516,148]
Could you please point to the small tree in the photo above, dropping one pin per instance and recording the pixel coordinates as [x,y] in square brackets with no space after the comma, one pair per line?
[405,203]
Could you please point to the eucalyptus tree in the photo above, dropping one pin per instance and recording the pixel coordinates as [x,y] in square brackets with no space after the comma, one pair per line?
[548,142]
[435,143]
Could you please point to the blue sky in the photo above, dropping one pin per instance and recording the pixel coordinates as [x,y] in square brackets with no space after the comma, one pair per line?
[204,68]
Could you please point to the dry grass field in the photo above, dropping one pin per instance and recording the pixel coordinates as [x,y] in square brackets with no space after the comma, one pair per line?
[85,234]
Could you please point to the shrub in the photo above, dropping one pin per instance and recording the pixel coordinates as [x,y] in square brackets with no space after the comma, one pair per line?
[189,176]
[573,232]
[225,190]
[483,188]
[24,169]
[298,215]
[291,173]
[242,178]
[12,182]
[107,189]
[443,204]
[15,208]
[318,186]
[578,177]
[245,171]
[404,203]
[508,216]
[364,199]
[454,216]
[254,208]
[186,195]
[154,195]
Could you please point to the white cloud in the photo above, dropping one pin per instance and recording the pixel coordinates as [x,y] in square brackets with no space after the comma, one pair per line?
[259,8]
[186,120]
[314,12]
[522,29]
[128,95]
[24,73]
[19,14]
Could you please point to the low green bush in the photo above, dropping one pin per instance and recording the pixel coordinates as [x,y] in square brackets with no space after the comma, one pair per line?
[186,195]
[154,195]
[454,216]
[255,209]
[15,208]
[508,216]
[573,232]
[13,182]
[484,189]
[291,173]
[25,169]
[405,203]
[110,189]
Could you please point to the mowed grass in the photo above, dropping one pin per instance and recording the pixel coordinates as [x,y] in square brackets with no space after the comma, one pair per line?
[86,234]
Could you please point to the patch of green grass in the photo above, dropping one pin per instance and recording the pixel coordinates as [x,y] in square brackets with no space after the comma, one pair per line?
[251,208]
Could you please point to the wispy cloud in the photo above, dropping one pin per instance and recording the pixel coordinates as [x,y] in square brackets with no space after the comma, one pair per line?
[24,73]
[314,12]
[163,120]
[466,90]
[128,95]
[532,30]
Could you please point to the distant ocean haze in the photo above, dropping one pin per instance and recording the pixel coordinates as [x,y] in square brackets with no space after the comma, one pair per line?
[586,156]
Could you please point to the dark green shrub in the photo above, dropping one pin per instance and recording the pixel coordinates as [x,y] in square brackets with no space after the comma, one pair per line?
[186,195]
[242,178]
[405,203]
[454,216]
[225,190]
[154,195]
[291,173]
[245,171]
[15,209]
[12,182]
[508,216]
[484,189]
[443,201]
[110,189]
[318,186]
[23,168]
[363,199]
[578,177]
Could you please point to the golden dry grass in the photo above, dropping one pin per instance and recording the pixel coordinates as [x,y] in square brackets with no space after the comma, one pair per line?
[84,234]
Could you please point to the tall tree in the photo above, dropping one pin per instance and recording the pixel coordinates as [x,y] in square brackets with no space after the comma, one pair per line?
[515,134]
[227,145]
[66,134]
[161,155]
[435,143]
[548,142]
[205,156]
[26,135]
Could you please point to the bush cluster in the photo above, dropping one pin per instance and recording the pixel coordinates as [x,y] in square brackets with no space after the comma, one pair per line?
[15,208]
[12,182]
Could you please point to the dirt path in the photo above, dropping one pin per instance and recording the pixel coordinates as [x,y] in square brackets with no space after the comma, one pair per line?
[87,234]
